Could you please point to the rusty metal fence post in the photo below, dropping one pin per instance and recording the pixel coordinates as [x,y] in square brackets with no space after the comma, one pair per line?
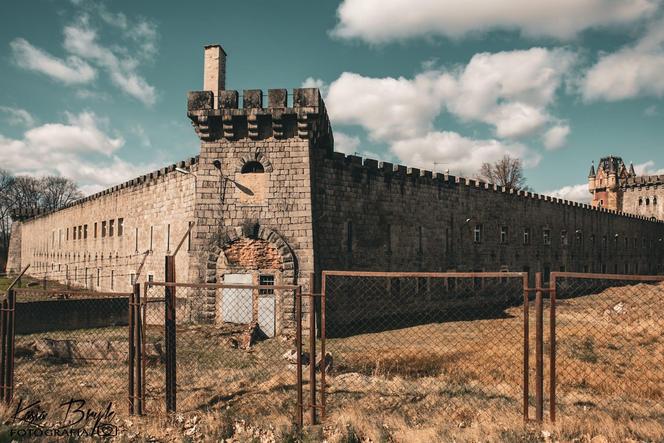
[312,352]
[552,350]
[526,347]
[298,349]
[539,349]
[170,333]
[136,390]
[7,334]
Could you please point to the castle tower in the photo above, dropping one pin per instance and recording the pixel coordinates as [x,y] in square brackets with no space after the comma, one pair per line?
[253,206]
[605,183]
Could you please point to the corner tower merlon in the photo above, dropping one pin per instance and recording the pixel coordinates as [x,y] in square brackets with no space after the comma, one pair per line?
[305,118]
[214,70]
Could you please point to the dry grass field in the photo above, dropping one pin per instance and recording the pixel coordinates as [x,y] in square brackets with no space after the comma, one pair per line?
[451,381]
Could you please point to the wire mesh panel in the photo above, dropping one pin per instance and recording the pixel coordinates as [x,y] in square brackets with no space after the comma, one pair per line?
[609,351]
[71,346]
[425,347]
[243,357]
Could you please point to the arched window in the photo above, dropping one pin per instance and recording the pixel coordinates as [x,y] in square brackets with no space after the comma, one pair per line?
[654,200]
[252,167]
[640,201]
[647,201]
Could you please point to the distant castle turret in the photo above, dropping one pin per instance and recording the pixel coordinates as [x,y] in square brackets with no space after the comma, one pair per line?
[617,187]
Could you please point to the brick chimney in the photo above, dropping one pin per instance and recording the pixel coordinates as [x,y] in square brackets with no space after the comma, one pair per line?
[214,71]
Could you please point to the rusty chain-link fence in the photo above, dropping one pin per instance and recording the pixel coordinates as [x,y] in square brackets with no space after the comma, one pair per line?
[412,347]
[70,346]
[606,348]
[426,346]
[243,356]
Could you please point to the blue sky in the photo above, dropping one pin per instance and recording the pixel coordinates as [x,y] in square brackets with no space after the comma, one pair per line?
[96,90]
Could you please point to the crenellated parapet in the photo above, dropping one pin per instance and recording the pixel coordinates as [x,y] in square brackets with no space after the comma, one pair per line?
[643,181]
[305,118]
[366,169]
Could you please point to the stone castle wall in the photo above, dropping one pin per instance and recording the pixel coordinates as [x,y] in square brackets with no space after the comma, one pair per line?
[155,211]
[644,196]
[372,216]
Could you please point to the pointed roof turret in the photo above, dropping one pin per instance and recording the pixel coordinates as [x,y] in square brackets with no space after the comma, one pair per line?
[592,170]
[631,170]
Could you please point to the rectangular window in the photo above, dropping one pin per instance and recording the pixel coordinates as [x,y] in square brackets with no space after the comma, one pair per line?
[563,237]
[546,236]
[168,237]
[150,278]
[132,279]
[85,231]
[103,228]
[477,234]
[80,232]
[546,275]
[120,227]
[67,235]
[526,236]
[111,225]
[98,277]
[503,234]
[266,280]
[95,230]
[74,232]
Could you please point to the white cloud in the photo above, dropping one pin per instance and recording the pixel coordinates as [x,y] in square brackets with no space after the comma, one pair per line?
[311,82]
[633,71]
[578,193]
[18,116]
[511,91]
[79,149]
[556,137]
[81,40]
[71,71]
[388,108]
[80,134]
[345,143]
[121,63]
[380,21]
[458,154]
[647,168]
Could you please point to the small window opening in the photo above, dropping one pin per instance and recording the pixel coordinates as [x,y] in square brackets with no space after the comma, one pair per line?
[252,168]
[266,280]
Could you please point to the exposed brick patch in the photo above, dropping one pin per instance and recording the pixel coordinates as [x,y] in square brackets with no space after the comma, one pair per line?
[264,251]
[247,253]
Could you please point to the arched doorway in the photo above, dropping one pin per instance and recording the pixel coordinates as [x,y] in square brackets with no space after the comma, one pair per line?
[252,255]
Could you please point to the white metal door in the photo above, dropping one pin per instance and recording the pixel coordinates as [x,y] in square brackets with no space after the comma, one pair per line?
[236,303]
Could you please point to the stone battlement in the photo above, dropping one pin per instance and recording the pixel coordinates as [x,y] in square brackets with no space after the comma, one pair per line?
[150,177]
[367,167]
[253,120]
[644,180]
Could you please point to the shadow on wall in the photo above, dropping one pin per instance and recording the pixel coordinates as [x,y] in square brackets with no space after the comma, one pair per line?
[359,307]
